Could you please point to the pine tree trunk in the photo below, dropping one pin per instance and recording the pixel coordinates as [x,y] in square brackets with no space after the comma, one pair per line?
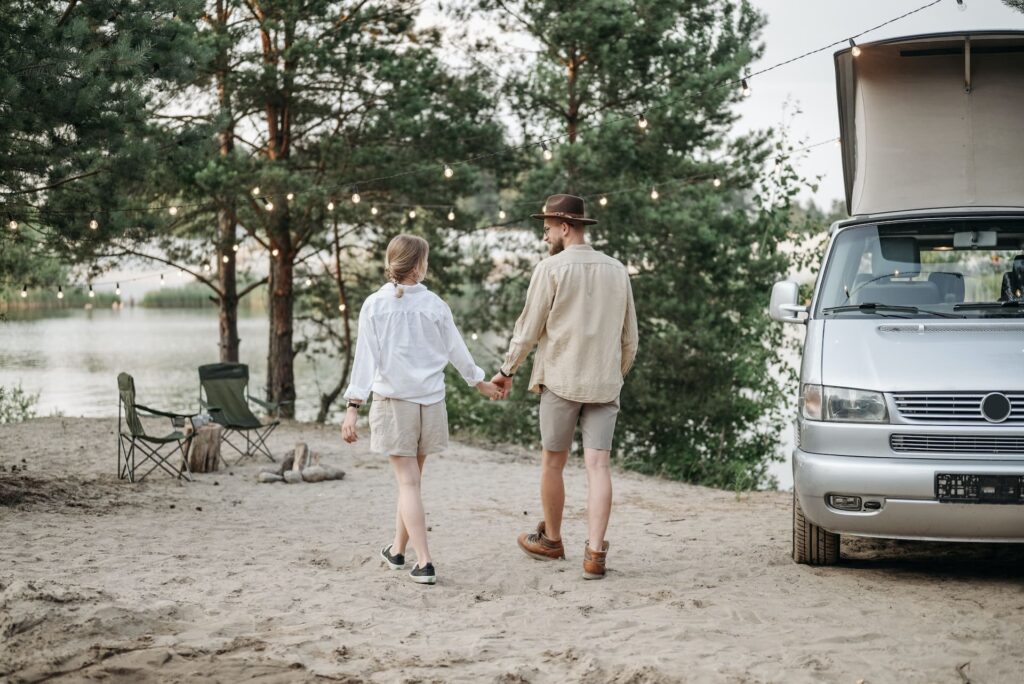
[281,354]
[228,301]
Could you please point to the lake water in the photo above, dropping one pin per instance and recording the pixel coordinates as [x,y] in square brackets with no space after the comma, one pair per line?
[72,357]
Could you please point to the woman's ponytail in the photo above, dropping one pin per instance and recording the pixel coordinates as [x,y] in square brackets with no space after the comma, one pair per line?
[405,256]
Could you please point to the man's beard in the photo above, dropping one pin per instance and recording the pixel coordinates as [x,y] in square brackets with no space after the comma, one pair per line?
[555,247]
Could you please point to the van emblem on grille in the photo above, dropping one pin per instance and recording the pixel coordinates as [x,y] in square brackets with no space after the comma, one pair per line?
[995,407]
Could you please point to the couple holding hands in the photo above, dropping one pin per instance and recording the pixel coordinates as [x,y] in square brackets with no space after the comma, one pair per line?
[579,314]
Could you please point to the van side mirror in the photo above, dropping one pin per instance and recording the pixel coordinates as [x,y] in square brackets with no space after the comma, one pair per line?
[784,307]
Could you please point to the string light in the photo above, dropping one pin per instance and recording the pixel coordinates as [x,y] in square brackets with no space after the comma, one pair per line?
[309,282]
[161,280]
[839,142]
[206,267]
[256,191]
[226,259]
[274,252]
[234,247]
[744,87]
[341,307]
[502,214]
[717,182]
[330,206]
[173,211]
[451,214]
[117,289]
[473,336]
[356,198]
[92,295]
[603,201]
[93,223]
[373,210]
[181,273]
[269,205]
[642,122]
[290,196]
[60,292]
[448,171]
[854,48]
[24,291]
[654,193]
[412,213]
[546,152]
[12,224]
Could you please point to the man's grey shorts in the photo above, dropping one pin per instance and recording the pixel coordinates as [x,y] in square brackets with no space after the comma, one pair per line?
[558,418]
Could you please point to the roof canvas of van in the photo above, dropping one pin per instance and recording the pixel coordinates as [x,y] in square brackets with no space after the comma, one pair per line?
[933,121]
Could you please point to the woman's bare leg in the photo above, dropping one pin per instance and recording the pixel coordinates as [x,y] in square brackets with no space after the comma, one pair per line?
[401,534]
[410,505]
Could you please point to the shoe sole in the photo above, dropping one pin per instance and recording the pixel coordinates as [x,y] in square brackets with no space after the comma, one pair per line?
[391,565]
[424,580]
[592,576]
[540,556]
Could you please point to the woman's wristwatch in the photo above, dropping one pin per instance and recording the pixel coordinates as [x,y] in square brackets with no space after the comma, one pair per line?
[355,405]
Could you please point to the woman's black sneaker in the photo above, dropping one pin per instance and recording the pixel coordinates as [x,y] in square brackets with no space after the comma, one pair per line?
[395,561]
[424,575]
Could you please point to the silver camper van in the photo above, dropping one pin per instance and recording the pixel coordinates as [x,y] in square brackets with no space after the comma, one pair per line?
[911,401]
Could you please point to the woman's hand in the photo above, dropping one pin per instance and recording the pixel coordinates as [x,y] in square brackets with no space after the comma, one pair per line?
[490,390]
[348,428]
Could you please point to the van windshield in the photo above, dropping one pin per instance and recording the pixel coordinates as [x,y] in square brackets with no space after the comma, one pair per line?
[949,269]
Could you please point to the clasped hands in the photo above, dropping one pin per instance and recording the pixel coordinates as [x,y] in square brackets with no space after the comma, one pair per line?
[497,389]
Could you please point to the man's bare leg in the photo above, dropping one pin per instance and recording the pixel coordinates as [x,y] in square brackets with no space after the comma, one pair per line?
[552,492]
[599,495]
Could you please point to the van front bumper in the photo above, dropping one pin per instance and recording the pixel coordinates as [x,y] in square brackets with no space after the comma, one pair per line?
[905,490]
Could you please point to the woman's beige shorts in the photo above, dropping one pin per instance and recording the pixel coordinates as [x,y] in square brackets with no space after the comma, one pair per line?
[405,428]
[558,418]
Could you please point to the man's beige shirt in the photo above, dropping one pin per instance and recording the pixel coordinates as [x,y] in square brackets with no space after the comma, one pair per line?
[579,313]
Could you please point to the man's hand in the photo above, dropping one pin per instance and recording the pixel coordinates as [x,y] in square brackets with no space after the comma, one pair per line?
[348,428]
[490,390]
[504,382]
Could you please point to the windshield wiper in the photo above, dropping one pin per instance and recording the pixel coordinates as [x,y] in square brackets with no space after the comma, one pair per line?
[980,306]
[877,307]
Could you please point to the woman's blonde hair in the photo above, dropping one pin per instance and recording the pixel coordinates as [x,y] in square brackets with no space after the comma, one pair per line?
[405,258]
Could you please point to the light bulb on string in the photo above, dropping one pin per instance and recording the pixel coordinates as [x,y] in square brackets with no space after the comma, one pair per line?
[717,182]
[256,191]
[341,308]
[412,213]
[854,48]
[117,289]
[173,211]
[226,258]
[744,87]
[12,224]
[373,210]
[161,280]
[274,252]
[546,151]
[93,223]
[451,214]
[290,196]
[474,337]
[448,171]
[24,291]
[206,267]
[330,206]
[502,214]
[60,292]
[269,206]
[234,248]
[356,198]
[92,295]
[603,201]
[654,193]
[642,122]
[181,273]
[839,142]
[309,282]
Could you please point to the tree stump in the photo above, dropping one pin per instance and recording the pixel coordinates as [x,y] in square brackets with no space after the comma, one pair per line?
[204,452]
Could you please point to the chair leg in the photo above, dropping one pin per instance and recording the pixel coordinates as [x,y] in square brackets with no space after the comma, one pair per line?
[260,443]
[185,467]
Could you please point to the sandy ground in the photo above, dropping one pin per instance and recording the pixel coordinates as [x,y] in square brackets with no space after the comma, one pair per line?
[229,580]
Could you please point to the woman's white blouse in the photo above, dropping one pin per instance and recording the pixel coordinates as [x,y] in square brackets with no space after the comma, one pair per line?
[404,344]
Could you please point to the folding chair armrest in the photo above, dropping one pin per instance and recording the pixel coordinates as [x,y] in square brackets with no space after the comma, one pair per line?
[165,414]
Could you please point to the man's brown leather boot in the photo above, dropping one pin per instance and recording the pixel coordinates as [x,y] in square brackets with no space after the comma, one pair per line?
[536,545]
[593,562]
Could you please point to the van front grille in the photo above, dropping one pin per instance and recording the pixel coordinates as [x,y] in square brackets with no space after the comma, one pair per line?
[958,444]
[953,407]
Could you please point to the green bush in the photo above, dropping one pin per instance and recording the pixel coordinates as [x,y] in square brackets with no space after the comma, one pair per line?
[16,405]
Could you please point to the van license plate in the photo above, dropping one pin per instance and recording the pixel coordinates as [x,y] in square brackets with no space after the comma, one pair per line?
[965,488]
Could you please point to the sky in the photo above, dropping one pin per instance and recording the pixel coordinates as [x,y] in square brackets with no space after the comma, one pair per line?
[797,26]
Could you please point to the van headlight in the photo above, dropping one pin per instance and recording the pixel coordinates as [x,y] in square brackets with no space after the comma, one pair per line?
[842,405]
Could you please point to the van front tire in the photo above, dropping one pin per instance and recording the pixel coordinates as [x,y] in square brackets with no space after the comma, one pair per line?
[812,545]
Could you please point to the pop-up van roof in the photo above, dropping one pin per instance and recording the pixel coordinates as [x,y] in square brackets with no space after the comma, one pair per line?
[933,121]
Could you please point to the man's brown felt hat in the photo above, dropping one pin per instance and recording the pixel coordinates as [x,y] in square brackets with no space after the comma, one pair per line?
[566,207]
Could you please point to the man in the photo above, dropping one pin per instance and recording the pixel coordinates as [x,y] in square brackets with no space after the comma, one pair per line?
[579,314]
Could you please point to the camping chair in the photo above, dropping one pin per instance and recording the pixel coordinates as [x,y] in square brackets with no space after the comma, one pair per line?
[132,439]
[223,392]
